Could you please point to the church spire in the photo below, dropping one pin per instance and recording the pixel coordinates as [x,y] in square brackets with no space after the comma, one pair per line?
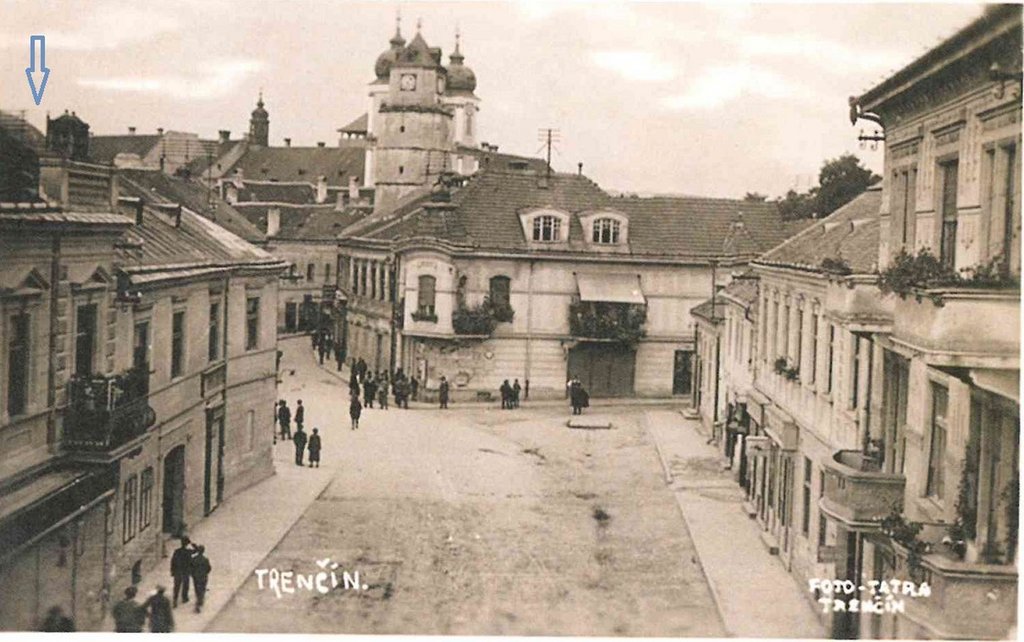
[397,40]
[456,56]
[259,123]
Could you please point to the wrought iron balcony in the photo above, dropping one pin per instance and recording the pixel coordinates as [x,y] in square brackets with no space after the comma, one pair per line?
[857,493]
[105,412]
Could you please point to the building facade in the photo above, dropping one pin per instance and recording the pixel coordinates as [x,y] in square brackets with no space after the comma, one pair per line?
[139,349]
[880,438]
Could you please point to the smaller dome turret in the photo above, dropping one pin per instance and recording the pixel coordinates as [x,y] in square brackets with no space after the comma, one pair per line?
[460,77]
[382,68]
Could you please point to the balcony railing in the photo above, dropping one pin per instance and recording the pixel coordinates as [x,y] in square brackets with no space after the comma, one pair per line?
[621,322]
[967,600]
[857,493]
[105,412]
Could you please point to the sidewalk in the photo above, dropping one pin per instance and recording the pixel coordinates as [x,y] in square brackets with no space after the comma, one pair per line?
[756,596]
[239,533]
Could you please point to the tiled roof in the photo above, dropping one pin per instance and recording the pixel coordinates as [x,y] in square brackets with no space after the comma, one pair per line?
[706,309]
[103,149]
[850,234]
[495,161]
[486,215]
[695,226]
[303,222]
[154,186]
[277,192]
[357,126]
[194,244]
[197,166]
[743,288]
[301,164]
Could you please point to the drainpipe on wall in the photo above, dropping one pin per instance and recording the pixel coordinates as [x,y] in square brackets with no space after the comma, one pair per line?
[396,260]
[529,321]
[51,375]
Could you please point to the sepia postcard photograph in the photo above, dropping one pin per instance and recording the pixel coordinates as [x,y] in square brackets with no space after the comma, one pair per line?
[516,318]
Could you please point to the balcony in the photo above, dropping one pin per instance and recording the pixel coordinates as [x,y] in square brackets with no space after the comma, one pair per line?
[968,600]
[105,413]
[855,301]
[961,327]
[857,493]
[603,321]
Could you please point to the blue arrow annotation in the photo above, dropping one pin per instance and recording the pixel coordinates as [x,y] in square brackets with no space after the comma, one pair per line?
[32,70]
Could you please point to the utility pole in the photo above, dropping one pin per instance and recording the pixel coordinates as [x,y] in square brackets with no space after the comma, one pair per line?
[548,137]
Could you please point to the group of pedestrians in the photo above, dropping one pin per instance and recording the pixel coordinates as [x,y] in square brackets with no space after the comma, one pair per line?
[303,442]
[189,564]
[367,387]
[510,394]
[326,346]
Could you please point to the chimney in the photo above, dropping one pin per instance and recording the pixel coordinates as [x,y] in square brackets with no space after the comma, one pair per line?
[321,144]
[160,131]
[353,189]
[579,170]
[223,136]
[321,189]
[177,215]
[339,204]
[138,212]
[287,142]
[131,130]
[273,221]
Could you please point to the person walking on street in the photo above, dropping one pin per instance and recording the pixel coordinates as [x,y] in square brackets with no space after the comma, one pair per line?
[161,618]
[321,350]
[526,389]
[414,387]
[300,414]
[129,616]
[382,395]
[315,337]
[284,417]
[57,622]
[402,393]
[369,391]
[443,392]
[506,395]
[516,389]
[354,410]
[576,395]
[300,445]
[339,355]
[181,571]
[314,448]
[200,575]
[361,367]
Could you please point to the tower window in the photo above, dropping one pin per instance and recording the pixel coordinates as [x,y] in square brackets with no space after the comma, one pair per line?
[401,169]
[402,129]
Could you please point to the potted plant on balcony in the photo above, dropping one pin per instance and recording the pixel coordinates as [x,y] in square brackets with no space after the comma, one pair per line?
[620,322]
[911,274]
[905,535]
[476,320]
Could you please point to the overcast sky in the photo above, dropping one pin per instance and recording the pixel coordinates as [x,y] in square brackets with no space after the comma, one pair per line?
[712,100]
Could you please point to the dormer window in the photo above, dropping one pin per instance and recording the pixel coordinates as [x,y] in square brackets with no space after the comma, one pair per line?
[547,228]
[606,231]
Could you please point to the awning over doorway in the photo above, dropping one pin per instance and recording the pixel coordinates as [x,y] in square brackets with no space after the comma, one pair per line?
[610,288]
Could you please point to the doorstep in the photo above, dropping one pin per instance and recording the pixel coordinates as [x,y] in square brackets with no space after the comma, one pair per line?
[771,543]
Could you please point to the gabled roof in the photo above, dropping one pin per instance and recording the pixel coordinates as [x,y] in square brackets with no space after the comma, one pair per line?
[155,187]
[501,162]
[284,164]
[850,234]
[103,149]
[276,192]
[710,311]
[302,222]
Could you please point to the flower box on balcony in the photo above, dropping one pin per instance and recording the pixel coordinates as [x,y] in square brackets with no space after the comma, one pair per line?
[857,493]
[105,412]
[425,317]
[621,322]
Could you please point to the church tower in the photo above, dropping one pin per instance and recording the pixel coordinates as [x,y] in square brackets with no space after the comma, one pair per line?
[259,125]
[460,96]
[412,126]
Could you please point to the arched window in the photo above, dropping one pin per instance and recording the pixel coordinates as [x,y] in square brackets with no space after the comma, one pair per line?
[500,289]
[425,302]
[547,228]
[606,231]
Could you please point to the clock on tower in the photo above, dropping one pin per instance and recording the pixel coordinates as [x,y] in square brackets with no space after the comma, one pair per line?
[407,82]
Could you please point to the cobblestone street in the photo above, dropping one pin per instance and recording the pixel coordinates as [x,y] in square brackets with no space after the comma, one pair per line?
[483,521]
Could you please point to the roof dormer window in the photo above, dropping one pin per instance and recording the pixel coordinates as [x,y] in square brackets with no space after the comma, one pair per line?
[606,231]
[547,228]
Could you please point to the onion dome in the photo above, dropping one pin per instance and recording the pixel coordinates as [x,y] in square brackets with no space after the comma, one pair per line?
[460,77]
[382,68]
[260,113]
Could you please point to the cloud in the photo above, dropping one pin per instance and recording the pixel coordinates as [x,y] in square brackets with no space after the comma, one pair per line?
[635,65]
[101,27]
[826,53]
[721,84]
[215,80]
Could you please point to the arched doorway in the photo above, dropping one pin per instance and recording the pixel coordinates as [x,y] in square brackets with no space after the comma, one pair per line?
[174,491]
